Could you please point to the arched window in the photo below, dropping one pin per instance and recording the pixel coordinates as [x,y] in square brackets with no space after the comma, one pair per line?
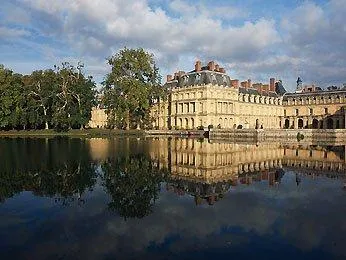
[287,123]
[330,123]
[314,123]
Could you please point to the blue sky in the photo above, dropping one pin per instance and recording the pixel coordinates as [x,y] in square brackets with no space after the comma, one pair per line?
[250,38]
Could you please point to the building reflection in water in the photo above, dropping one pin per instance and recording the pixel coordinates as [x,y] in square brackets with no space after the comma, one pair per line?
[207,170]
[67,169]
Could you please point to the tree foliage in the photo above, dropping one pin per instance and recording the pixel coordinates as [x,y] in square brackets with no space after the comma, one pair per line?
[131,88]
[61,98]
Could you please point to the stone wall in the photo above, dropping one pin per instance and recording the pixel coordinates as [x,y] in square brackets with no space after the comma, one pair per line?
[333,135]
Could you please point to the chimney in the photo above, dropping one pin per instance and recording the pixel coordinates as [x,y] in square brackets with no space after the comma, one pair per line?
[217,67]
[263,90]
[244,84]
[249,85]
[257,86]
[235,83]
[222,70]
[169,78]
[272,84]
[211,65]
[198,66]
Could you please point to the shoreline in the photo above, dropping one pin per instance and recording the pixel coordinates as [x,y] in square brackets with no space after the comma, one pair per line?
[87,133]
[259,135]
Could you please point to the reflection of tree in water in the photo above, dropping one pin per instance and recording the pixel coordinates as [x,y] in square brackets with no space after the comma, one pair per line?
[60,168]
[133,184]
[67,183]
[338,150]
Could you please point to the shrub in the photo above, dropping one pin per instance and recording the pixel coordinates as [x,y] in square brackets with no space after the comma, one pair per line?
[300,136]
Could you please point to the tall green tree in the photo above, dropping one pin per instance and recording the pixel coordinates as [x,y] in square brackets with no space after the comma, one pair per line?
[41,86]
[131,87]
[62,98]
[74,97]
[12,99]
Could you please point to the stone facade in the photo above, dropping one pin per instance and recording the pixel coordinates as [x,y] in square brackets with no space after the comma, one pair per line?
[98,118]
[208,96]
[315,110]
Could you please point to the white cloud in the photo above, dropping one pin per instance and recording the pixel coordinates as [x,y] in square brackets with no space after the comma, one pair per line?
[224,12]
[316,37]
[96,28]
[6,33]
[308,41]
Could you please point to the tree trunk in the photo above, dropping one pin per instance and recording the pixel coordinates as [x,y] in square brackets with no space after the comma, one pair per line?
[45,118]
[69,123]
[139,124]
[127,120]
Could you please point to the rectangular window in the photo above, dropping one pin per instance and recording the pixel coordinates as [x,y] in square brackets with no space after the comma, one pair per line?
[297,112]
[326,110]
[284,112]
[311,111]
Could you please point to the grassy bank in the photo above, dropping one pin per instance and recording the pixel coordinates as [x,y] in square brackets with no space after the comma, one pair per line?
[72,133]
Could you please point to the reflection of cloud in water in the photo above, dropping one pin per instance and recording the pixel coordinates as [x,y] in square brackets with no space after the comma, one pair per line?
[305,218]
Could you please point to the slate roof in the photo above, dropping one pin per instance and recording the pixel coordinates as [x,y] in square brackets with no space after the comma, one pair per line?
[279,88]
[317,93]
[253,91]
[201,78]
[206,76]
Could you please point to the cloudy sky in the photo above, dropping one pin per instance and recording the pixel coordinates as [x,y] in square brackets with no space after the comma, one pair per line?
[250,38]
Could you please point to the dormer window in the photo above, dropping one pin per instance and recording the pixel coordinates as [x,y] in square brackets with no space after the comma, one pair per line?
[198,78]
[185,79]
[224,79]
[213,78]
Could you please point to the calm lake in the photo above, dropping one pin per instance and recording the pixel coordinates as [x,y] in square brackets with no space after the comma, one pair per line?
[168,198]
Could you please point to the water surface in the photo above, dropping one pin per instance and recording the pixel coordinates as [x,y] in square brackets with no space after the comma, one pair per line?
[170,198]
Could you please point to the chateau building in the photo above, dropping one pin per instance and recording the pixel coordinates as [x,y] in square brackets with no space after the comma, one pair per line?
[314,108]
[98,118]
[207,96]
